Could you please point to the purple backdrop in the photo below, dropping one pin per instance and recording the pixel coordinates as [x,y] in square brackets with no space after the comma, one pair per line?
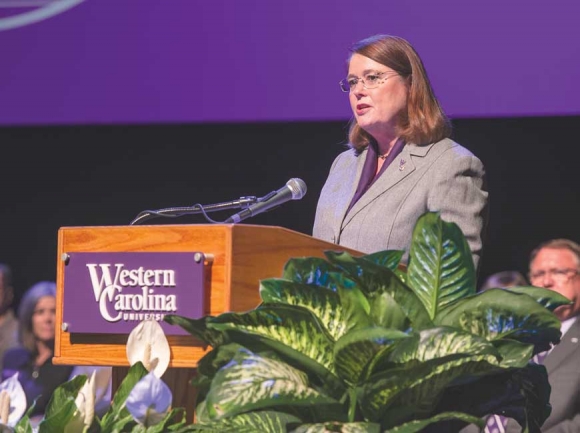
[121,61]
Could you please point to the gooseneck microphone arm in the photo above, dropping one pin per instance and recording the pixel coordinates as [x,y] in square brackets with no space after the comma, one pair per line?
[174,212]
[294,189]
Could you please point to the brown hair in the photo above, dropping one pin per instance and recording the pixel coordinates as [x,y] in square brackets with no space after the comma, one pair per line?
[424,121]
[558,244]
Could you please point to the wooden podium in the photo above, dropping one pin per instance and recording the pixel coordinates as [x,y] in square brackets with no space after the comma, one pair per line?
[239,256]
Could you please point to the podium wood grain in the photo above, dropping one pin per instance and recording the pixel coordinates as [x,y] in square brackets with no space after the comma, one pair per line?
[240,256]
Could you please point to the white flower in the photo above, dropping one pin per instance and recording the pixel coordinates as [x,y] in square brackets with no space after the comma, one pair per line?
[149,400]
[147,343]
[85,401]
[12,401]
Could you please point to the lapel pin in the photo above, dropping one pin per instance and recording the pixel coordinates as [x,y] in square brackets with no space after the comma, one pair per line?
[574,340]
[402,163]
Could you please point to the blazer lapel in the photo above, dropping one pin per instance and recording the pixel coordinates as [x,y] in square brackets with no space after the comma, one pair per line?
[399,169]
[349,184]
[570,343]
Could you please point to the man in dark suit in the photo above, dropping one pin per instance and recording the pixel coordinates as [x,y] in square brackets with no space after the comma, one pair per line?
[555,265]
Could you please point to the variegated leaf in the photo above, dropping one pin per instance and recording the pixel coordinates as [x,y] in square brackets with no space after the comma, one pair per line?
[374,280]
[513,353]
[401,394]
[419,425]
[499,314]
[354,350]
[253,422]
[388,258]
[440,342]
[251,382]
[547,298]
[324,303]
[441,269]
[387,313]
[350,427]
[198,328]
[281,327]
[315,271]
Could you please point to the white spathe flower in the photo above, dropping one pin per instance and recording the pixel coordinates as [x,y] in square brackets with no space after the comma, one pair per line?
[85,402]
[147,343]
[149,400]
[12,401]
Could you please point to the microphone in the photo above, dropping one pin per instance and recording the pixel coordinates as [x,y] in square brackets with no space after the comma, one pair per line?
[294,189]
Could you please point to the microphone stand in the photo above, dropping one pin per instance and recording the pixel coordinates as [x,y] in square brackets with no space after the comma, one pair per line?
[173,212]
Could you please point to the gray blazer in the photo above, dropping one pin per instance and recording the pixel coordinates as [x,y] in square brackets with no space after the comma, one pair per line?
[443,177]
[563,365]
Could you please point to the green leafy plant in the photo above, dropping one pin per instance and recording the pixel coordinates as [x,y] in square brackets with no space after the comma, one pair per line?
[365,344]
[63,409]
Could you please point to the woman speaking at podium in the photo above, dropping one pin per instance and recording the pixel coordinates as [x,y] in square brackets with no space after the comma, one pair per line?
[401,162]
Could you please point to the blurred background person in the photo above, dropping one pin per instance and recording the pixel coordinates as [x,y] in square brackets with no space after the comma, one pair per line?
[8,321]
[401,162]
[503,280]
[33,360]
[555,265]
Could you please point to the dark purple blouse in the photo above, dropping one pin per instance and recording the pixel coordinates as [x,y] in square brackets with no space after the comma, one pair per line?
[368,177]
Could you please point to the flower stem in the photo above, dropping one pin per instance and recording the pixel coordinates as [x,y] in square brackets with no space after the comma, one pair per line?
[352,406]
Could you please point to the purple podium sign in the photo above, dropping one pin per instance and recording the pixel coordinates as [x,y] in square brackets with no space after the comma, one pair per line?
[110,293]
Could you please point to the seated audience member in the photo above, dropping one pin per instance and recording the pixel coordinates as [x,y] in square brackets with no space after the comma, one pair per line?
[503,280]
[33,361]
[8,321]
[555,265]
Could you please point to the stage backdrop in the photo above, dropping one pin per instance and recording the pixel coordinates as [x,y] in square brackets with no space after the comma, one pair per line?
[105,175]
[152,61]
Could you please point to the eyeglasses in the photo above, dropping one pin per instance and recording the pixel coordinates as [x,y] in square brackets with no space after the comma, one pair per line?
[370,81]
[558,275]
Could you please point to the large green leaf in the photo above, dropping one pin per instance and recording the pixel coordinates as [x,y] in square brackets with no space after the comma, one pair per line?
[347,427]
[513,353]
[60,415]
[499,314]
[441,269]
[354,350]
[440,342]
[23,425]
[387,313]
[418,425]
[207,367]
[253,422]
[62,407]
[374,280]
[212,361]
[388,258]
[327,305]
[402,394]
[315,271]
[545,297]
[198,328]
[63,394]
[292,326]
[291,331]
[251,382]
